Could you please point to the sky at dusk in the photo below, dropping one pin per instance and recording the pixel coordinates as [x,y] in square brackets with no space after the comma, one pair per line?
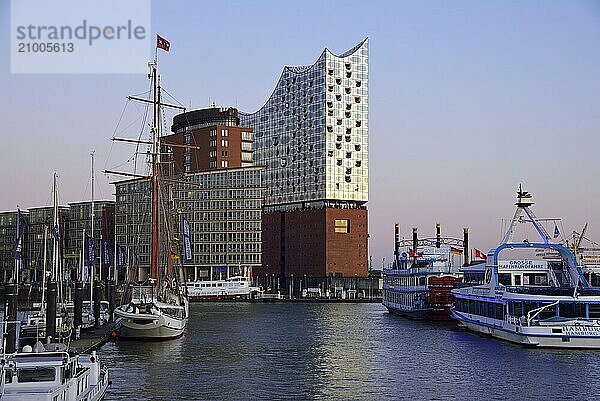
[467,99]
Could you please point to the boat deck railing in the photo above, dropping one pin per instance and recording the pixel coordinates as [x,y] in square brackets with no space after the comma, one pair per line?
[552,291]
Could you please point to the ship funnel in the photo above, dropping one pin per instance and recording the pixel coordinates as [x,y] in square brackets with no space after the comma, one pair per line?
[397,244]
[415,242]
[466,246]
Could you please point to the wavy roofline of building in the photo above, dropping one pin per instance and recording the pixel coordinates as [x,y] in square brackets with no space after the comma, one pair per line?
[304,68]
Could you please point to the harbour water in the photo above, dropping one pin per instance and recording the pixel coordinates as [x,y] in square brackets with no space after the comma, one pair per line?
[267,351]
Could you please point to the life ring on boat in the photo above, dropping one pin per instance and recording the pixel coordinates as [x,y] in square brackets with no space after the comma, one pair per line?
[488,275]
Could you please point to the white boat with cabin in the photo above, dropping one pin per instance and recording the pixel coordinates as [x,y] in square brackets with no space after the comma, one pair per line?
[51,376]
[541,303]
[237,287]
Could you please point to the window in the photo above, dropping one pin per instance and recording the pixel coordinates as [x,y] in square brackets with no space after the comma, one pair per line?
[224,142]
[224,132]
[342,226]
[36,375]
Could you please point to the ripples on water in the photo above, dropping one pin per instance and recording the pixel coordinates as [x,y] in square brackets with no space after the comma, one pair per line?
[305,351]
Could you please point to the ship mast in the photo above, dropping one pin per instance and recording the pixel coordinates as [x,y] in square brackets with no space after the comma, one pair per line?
[55,245]
[155,220]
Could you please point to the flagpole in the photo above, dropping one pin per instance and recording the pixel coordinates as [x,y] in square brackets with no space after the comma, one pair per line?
[43,308]
[16,273]
[92,233]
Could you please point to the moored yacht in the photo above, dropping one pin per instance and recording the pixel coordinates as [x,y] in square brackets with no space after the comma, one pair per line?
[147,318]
[545,303]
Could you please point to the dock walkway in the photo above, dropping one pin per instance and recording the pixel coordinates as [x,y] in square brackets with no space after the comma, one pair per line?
[93,340]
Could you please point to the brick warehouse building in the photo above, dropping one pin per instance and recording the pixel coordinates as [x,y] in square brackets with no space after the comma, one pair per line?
[311,137]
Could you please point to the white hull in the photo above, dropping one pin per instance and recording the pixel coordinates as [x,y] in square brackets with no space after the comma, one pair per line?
[235,287]
[164,328]
[153,321]
[555,336]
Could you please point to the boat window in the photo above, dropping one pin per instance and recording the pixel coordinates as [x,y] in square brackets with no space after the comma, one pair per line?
[504,278]
[572,310]
[37,374]
[535,279]
[422,280]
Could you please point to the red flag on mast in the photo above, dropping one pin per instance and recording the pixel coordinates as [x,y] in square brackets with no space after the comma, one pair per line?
[162,43]
[479,254]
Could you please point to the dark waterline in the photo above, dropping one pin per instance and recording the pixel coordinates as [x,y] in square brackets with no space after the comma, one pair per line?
[244,351]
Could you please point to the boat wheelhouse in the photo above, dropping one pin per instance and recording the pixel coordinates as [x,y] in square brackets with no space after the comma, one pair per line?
[545,303]
[419,284]
[52,376]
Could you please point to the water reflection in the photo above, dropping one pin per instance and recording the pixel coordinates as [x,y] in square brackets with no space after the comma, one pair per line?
[234,351]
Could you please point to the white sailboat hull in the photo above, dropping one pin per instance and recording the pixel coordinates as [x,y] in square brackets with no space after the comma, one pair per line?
[164,328]
[156,321]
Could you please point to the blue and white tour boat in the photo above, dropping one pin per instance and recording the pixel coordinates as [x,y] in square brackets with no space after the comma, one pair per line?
[543,302]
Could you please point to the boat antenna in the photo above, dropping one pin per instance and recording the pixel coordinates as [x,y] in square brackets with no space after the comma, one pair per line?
[524,201]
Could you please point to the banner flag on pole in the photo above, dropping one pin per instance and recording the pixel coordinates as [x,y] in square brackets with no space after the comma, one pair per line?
[18,247]
[187,241]
[120,257]
[90,251]
[107,251]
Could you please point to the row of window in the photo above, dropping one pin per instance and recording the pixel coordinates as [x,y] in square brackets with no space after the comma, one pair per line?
[492,310]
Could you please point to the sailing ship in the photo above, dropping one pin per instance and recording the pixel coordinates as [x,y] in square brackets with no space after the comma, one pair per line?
[158,309]
[534,301]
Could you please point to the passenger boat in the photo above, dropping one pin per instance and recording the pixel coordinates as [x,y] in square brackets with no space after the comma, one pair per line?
[237,287]
[419,284]
[534,302]
[158,309]
[37,374]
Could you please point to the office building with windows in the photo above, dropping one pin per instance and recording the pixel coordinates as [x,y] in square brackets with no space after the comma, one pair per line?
[80,221]
[214,138]
[311,136]
[40,228]
[8,238]
[223,208]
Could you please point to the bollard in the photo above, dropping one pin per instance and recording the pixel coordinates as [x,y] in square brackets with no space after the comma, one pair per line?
[97,299]
[51,311]
[11,317]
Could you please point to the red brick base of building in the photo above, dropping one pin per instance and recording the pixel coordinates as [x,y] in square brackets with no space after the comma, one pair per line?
[315,242]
